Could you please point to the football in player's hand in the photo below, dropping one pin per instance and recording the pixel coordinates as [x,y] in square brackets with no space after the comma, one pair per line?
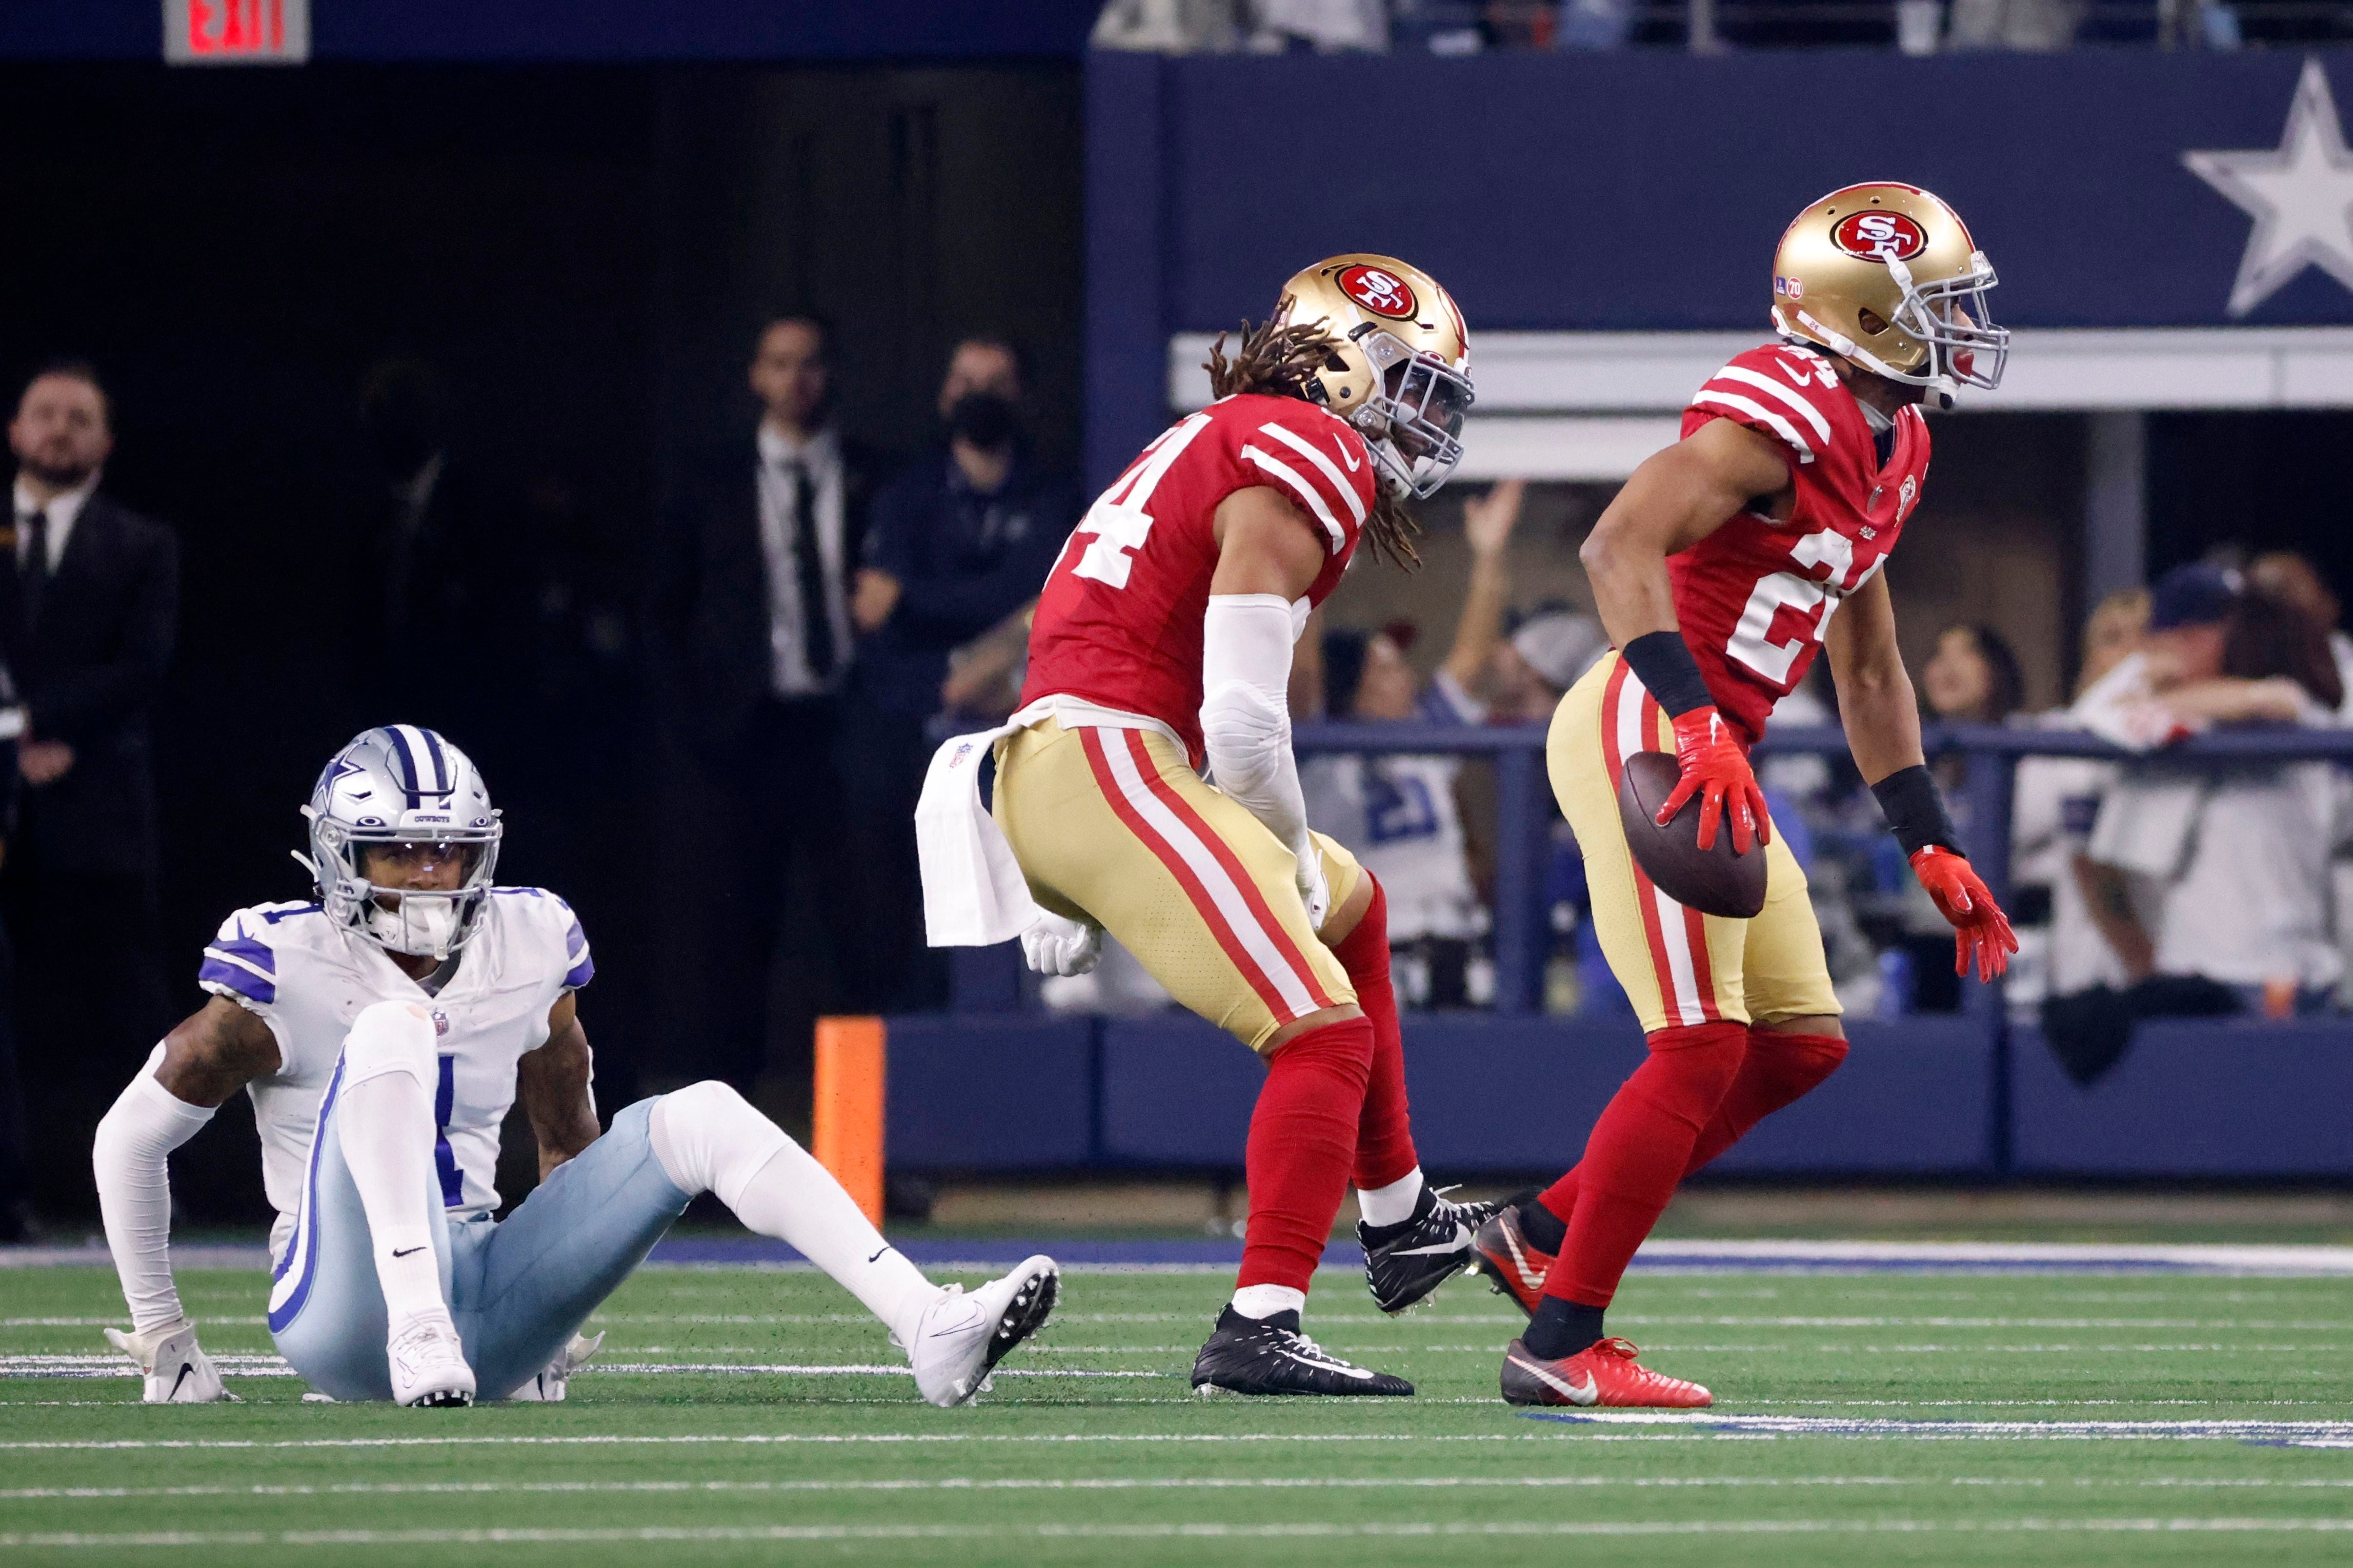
[1713,881]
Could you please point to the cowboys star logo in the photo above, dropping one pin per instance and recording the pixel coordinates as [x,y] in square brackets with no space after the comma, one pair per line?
[1381,292]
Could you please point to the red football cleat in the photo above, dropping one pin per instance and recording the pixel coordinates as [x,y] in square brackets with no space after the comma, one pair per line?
[1604,1374]
[1516,1264]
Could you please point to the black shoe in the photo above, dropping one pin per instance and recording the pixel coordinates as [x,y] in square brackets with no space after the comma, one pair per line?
[1270,1356]
[1405,1262]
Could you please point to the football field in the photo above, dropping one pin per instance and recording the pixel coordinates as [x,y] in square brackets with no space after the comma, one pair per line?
[755,1416]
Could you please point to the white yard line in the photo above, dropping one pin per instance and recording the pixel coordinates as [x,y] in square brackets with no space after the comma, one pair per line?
[963,1484]
[1307,1530]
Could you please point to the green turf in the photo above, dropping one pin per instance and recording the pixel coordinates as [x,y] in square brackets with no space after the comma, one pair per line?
[1133,1471]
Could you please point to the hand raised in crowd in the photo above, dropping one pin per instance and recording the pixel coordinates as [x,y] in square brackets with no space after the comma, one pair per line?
[874,597]
[43,761]
[1488,520]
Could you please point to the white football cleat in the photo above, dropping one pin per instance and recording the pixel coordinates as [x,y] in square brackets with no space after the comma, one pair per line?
[962,1337]
[548,1388]
[429,1364]
[177,1370]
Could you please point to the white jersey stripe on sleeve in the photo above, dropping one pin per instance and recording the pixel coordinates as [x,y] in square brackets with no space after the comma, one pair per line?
[1230,906]
[1813,415]
[1762,414]
[1309,450]
[1277,468]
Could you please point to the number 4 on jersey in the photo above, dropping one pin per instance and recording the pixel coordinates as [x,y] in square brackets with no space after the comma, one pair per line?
[1118,521]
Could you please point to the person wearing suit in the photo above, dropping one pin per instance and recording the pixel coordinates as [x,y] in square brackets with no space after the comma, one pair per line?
[88,609]
[751,638]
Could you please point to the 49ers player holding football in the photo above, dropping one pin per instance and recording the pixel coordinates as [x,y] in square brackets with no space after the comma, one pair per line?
[1163,640]
[1723,564]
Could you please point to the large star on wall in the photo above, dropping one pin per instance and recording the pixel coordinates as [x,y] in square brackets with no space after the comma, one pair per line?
[2300,195]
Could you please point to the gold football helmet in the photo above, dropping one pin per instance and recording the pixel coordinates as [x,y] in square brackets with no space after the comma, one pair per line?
[1887,276]
[1400,368]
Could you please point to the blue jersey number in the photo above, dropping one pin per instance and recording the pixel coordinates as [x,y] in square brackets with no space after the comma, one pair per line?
[1397,808]
[445,1158]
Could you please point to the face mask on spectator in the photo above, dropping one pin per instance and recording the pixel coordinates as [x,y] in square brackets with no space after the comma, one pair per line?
[987,419]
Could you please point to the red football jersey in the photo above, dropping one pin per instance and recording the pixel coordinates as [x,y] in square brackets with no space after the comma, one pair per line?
[1120,621]
[1754,597]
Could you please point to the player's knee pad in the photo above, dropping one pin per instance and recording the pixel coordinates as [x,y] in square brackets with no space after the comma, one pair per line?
[392,1037]
[709,1139]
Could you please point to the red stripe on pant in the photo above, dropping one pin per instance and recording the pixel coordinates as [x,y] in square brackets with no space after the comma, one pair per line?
[1303,1139]
[1091,739]
[1385,1150]
[1777,1070]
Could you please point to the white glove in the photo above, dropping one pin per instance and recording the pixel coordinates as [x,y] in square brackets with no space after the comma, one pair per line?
[1056,946]
[548,1388]
[1314,891]
[176,1369]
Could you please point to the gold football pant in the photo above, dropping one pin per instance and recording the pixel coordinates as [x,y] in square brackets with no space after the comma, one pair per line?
[1679,967]
[1114,826]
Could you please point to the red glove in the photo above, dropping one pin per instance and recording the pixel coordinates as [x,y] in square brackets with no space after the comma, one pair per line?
[1979,927]
[1717,769]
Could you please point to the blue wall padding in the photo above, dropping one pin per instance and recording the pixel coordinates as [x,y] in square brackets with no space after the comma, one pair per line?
[1176,1092]
[1001,1092]
[2194,1099]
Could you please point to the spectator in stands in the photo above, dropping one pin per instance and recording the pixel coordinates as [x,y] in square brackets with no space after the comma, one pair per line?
[2286,575]
[751,636]
[1530,670]
[1402,812]
[960,542]
[2235,853]
[89,604]
[1973,678]
[2112,634]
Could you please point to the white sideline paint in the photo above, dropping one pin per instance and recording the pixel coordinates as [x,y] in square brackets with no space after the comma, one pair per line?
[1670,1257]
[247,1365]
[964,1483]
[1318,1530]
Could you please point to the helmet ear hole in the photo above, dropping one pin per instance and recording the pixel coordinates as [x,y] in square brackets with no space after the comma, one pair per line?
[1871,322]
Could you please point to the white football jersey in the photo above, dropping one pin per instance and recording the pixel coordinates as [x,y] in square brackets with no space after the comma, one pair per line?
[308,978]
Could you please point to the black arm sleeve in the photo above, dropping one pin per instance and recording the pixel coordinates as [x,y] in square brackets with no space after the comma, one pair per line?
[1665,667]
[1916,810]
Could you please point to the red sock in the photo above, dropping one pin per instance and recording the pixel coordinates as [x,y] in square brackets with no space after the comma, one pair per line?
[1636,1154]
[1303,1138]
[1385,1133]
[1779,1069]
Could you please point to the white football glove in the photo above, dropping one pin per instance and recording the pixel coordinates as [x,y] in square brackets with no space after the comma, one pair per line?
[1314,891]
[1056,946]
[549,1386]
[176,1369]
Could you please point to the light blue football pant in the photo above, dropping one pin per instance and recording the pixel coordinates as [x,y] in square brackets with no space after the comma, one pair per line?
[518,1288]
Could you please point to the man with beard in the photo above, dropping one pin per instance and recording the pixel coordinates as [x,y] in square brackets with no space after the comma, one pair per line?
[89,606]
[961,541]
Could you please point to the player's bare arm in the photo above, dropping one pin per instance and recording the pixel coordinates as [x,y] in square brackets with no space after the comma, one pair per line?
[1876,703]
[552,1085]
[1675,500]
[215,1051]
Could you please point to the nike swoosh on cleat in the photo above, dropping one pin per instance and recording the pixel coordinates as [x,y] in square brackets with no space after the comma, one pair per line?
[185,1368]
[1585,1395]
[1361,1373]
[1519,1260]
[1461,1242]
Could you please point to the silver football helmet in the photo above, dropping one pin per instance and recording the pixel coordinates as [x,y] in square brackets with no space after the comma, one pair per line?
[403,788]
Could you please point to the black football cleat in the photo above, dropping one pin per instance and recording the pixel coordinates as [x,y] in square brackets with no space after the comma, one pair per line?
[1270,1356]
[1404,1263]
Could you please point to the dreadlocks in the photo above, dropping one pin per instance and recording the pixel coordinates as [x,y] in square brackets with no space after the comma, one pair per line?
[1279,358]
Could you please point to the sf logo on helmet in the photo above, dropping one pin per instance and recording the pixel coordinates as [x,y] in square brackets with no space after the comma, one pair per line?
[1878,236]
[1382,293]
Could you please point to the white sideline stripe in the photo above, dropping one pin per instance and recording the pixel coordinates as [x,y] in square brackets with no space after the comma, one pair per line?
[966,1483]
[1316,1530]
[1813,415]
[1306,493]
[1229,899]
[1755,410]
[264,1365]
[1309,450]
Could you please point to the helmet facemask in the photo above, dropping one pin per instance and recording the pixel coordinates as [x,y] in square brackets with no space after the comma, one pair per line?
[1412,420]
[419,922]
[1950,320]
[404,791]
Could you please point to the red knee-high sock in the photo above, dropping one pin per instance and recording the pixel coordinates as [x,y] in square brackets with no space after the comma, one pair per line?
[1302,1140]
[1385,1133]
[1779,1069]
[1637,1152]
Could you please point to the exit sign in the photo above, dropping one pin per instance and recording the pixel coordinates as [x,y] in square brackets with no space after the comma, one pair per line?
[236,32]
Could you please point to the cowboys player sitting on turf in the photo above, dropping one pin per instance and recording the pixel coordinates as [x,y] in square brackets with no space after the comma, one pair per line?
[382,1032]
